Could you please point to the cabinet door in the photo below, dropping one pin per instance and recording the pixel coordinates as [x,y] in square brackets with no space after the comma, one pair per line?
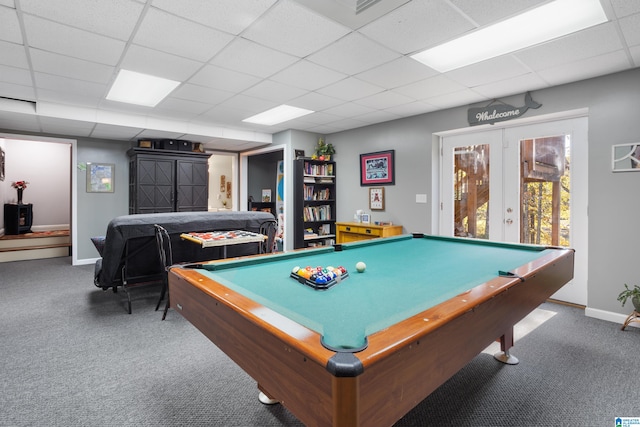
[155,185]
[192,185]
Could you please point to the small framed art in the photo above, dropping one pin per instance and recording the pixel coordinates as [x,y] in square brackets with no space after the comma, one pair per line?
[100,177]
[376,198]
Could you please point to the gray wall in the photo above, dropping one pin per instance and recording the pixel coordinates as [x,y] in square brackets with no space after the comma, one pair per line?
[614,118]
[95,210]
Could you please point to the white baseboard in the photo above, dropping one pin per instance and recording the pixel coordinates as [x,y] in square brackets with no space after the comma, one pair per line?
[51,227]
[85,261]
[609,316]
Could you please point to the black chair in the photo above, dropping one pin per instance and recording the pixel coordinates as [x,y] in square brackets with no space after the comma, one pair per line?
[166,260]
[269,229]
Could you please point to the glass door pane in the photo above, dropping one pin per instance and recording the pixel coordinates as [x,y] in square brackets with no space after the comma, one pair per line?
[545,190]
[471,191]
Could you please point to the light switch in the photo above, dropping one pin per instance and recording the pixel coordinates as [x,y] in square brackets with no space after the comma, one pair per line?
[421,198]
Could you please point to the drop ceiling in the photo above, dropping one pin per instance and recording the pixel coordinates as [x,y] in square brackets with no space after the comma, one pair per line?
[237,58]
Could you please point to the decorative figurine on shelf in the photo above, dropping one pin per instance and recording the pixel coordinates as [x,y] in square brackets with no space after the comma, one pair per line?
[323,150]
[20,186]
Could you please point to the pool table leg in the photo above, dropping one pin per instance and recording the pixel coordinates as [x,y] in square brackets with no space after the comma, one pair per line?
[506,342]
[264,398]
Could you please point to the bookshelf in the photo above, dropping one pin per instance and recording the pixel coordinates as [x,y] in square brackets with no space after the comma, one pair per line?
[314,203]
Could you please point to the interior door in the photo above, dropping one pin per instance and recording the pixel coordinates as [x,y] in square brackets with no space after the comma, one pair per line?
[525,184]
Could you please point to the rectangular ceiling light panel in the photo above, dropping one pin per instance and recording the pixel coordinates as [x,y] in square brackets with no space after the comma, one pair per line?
[539,25]
[140,89]
[277,115]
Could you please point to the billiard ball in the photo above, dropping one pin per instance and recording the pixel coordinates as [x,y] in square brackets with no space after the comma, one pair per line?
[360,266]
[295,269]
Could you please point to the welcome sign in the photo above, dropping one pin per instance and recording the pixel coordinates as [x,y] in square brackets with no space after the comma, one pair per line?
[493,112]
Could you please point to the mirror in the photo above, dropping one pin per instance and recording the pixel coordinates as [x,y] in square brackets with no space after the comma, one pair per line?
[625,157]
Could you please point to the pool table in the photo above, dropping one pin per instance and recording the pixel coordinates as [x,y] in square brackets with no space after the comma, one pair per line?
[366,351]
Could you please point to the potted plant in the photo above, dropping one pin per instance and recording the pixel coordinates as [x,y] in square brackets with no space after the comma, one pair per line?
[324,150]
[634,294]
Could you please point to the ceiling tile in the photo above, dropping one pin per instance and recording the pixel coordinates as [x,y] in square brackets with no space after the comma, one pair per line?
[180,108]
[396,73]
[488,12]
[319,118]
[202,94]
[348,109]
[248,104]
[158,134]
[66,127]
[167,33]
[350,89]
[415,108]
[64,84]
[251,58]
[72,42]
[518,84]
[274,91]
[586,68]
[485,72]
[113,18]
[631,29]
[118,132]
[353,54]
[635,54]
[429,88]
[13,55]
[624,8]
[315,101]
[10,28]
[377,116]
[590,42]
[345,124]
[19,122]
[10,90]
[160,64]
[417,25]
[312,31]
[307,75]
[13,75]
[455,99]
[232,16]
[223,79]
[385,99]
[68,98]
[66,66]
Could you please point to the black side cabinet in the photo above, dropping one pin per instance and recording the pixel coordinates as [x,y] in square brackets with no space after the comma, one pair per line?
[18,218]
[167,181]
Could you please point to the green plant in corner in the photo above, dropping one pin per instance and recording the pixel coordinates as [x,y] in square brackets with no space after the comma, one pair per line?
[634,294]
[324,150]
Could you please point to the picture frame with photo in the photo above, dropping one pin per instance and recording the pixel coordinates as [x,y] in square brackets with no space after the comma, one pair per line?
[100,177]
[377,168]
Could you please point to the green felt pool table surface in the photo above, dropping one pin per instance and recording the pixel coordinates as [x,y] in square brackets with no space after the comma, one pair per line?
[404,276]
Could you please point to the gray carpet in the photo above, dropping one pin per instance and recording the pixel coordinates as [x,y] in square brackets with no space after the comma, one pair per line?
[72,356]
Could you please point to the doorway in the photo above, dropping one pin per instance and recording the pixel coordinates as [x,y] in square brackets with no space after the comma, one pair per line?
[525,184]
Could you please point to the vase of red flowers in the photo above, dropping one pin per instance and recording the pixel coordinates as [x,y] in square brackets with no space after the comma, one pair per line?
[20,186]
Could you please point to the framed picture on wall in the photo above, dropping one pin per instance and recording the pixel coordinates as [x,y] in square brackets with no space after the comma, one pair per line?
[377,168]
[376,198]
[100,177]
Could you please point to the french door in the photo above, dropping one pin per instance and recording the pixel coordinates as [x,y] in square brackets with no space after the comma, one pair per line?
[525,184]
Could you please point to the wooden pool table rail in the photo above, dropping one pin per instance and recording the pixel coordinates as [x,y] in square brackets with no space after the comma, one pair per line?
[403,364]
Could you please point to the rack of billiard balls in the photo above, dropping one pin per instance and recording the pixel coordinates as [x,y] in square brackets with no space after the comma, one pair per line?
[319,278]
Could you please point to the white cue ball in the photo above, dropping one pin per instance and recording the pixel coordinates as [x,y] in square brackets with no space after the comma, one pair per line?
[360,267]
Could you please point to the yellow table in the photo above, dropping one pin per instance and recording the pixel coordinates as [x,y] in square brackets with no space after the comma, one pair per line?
[355,231]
